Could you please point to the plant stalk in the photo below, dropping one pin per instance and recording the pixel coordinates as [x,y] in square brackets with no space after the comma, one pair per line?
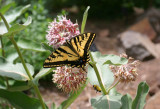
[20,55]
[98,75]
[2,46]
[5,21]
[113,86]
[3,53]
[27,71]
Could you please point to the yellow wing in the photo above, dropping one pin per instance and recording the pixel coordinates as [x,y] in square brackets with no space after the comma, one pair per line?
[73,53]
[61,56]
[82,43]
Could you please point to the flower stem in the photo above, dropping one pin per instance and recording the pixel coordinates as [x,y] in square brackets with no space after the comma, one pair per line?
[98,74]
[3,53]
[2,46]
[27,71]
[5,21]
[113,86]
[20,55]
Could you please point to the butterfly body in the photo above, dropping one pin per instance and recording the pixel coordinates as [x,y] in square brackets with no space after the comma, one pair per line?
[73,53]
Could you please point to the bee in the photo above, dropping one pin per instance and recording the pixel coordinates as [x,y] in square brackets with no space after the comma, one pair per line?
[97,88]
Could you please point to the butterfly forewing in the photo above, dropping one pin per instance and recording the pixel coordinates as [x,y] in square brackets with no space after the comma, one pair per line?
[82,43]
[72,52]
[61,56]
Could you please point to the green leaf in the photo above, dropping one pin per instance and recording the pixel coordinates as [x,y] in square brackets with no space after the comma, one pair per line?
[126,101]
[15,71]
[30,45]
[19,100]
[106,102]
[6,7]
[2,83]
[105,73]
[47,47]
[43,72]
[12,57]
[139,101]
[108,59]
[53,106]
[84,19]
[19,86]
[15,13]
[17,28]
[65,104]
[3,29]
[115,60]
[2,60]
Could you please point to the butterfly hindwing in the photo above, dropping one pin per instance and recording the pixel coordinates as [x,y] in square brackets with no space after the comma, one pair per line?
[73,53]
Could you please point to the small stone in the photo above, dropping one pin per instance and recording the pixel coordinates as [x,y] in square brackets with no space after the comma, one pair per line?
[138,45]
[144,27]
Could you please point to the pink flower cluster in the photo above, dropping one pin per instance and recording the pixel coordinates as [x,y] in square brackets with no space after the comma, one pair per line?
[126,72]
[69,79]
[61,30]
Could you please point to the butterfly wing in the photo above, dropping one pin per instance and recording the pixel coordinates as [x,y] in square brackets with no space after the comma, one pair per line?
[61,56]
[82,43]
[74,53]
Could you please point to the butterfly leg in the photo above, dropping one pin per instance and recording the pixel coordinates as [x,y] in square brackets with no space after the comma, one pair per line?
[90,64]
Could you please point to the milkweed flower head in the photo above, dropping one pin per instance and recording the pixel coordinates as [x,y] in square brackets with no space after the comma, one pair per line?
[60,30]
[126,72]
[69,79]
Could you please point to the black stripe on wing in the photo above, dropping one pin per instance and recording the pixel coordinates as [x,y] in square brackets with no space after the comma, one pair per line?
[88,44]
[74,63]
[89,41]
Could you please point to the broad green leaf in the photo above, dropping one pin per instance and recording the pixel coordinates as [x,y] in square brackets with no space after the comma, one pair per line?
[84,19]
[65,104]
[15,13]
[105,73]
[53,106]
[142,91]
[2,60]
[106,102]
[126,101]
[30,45]
[10,17]
[43,72]
[19,86]
[6,7]
[17,28]
[15,71]
[12,57]
[3,29]
[115,60]
[109,59]
[2,83]
[47,47]
[19,100]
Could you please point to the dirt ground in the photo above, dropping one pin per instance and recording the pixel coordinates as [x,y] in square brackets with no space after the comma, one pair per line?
[107,43]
